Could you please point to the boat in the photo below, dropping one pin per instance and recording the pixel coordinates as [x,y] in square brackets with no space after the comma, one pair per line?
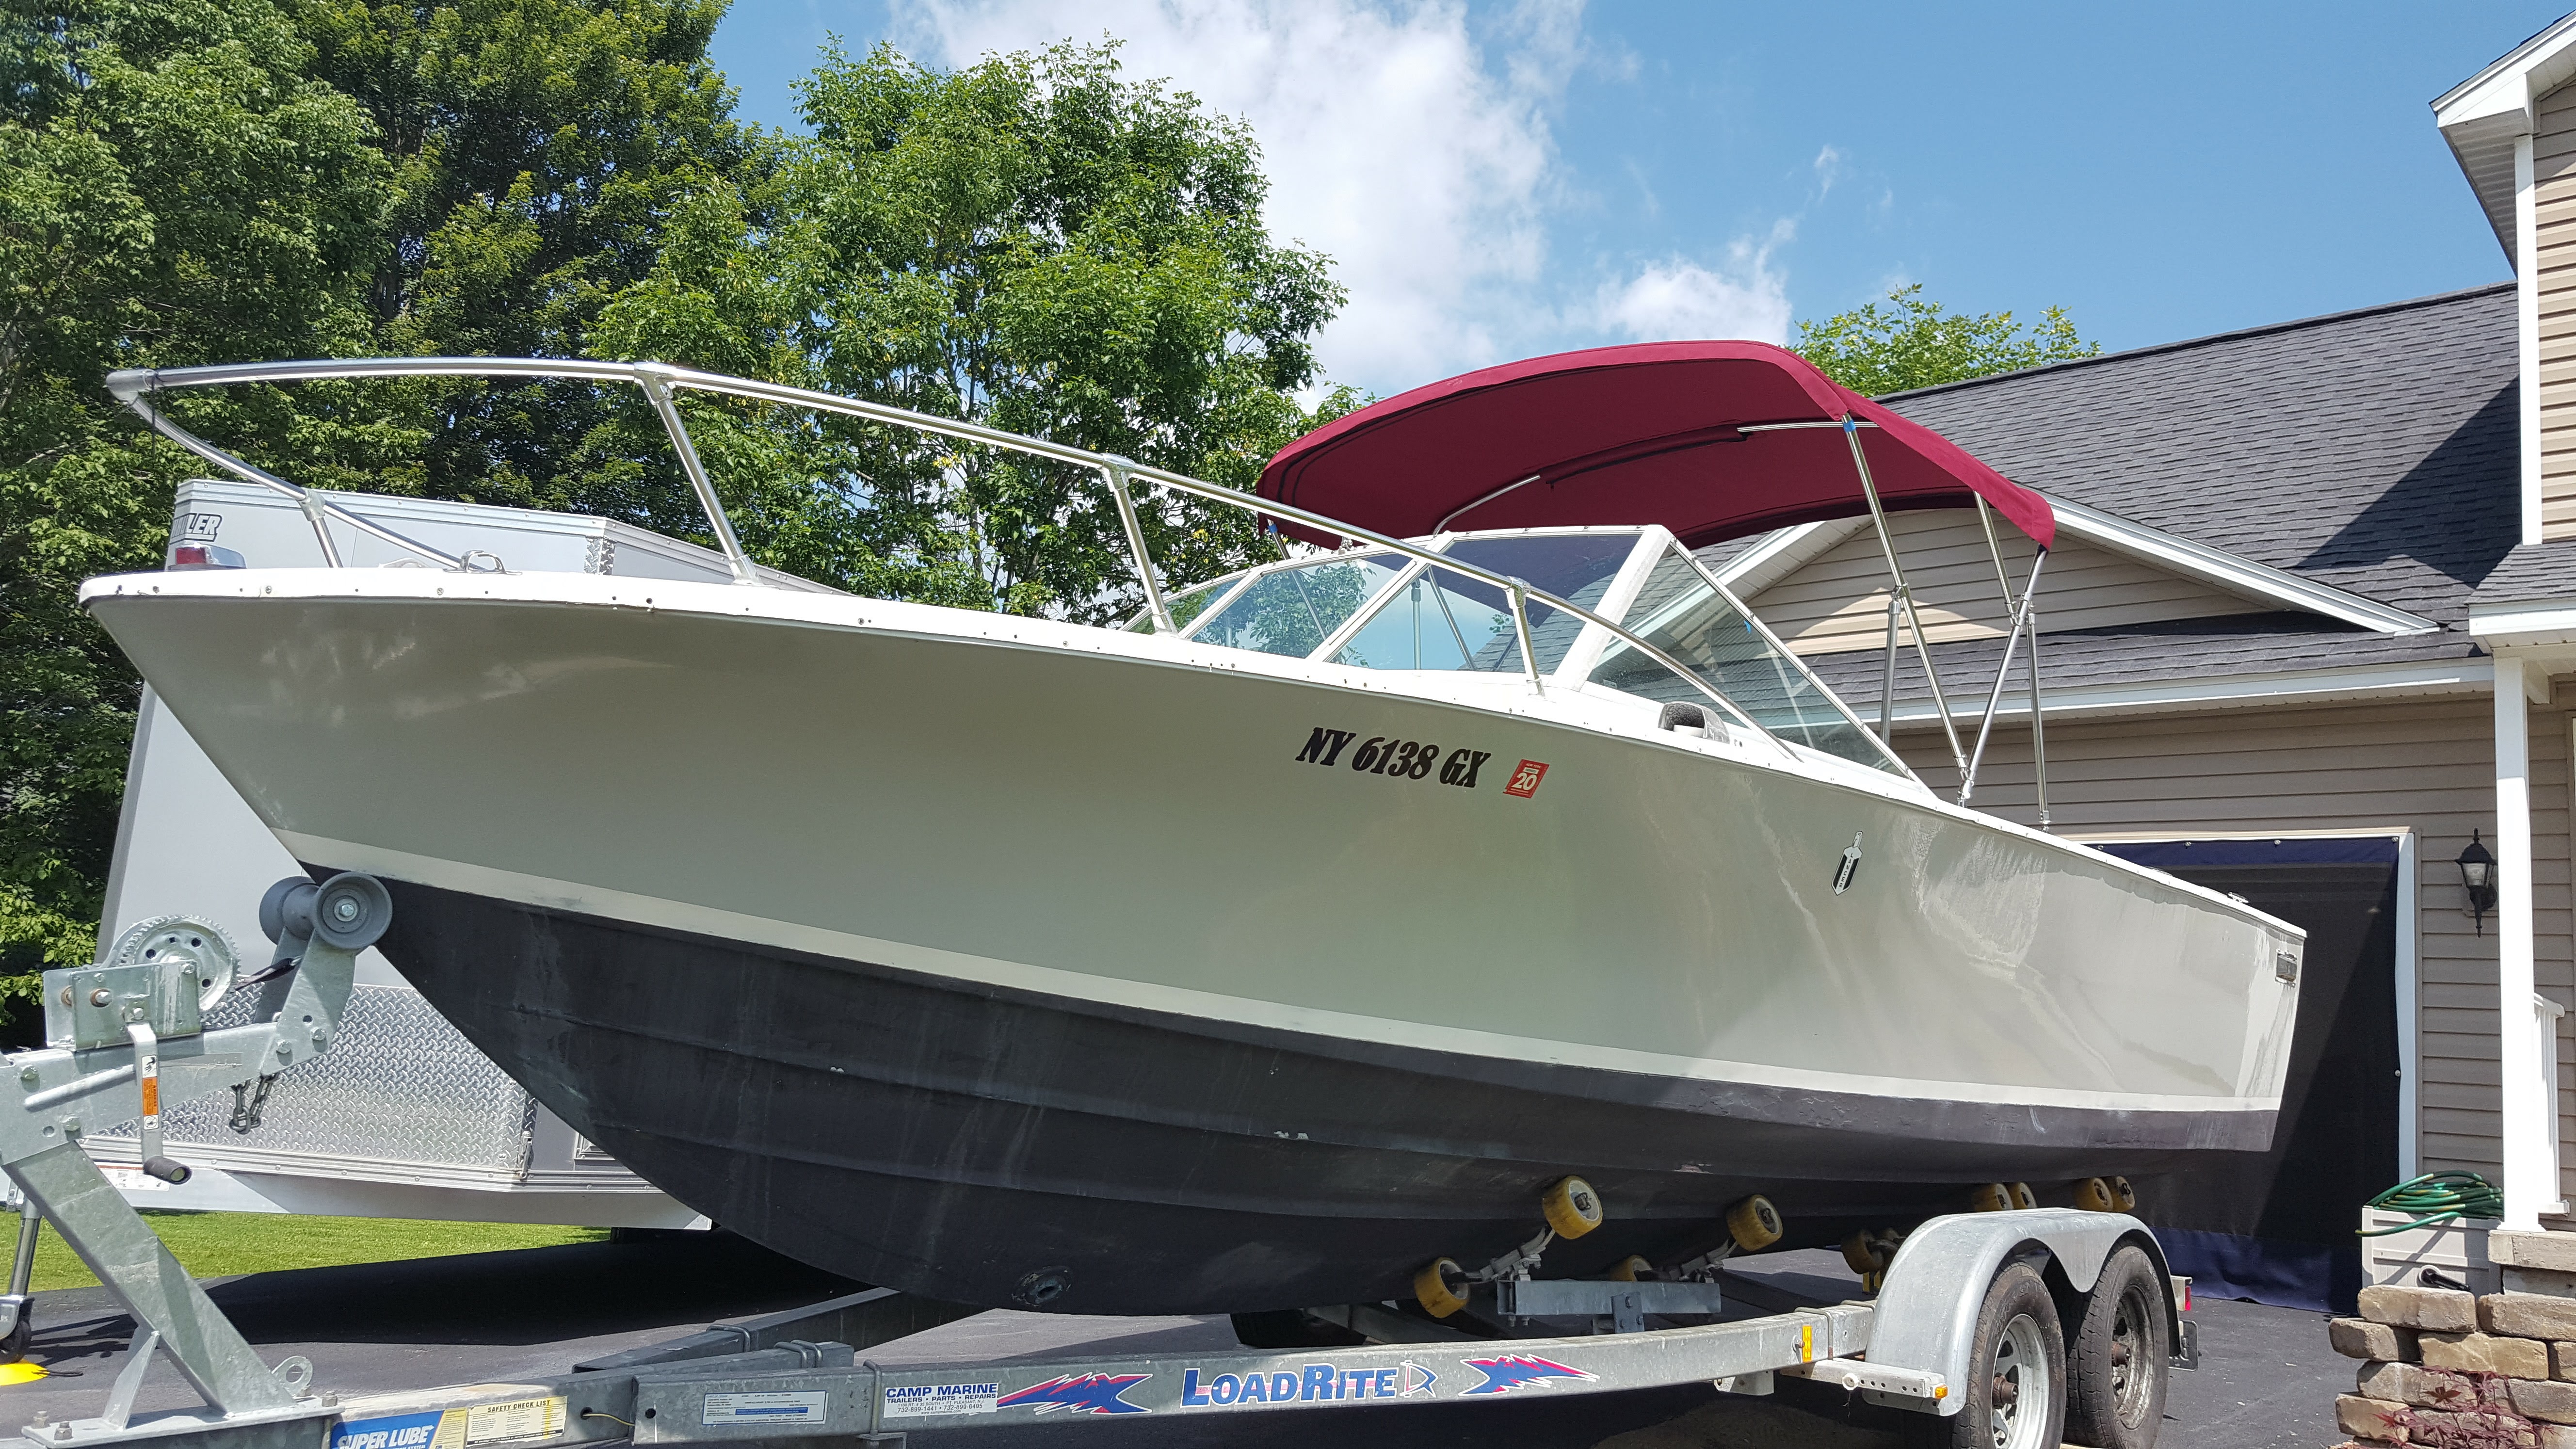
[1297,934]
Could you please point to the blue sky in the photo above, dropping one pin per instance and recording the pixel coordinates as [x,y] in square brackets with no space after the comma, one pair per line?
[1498,181]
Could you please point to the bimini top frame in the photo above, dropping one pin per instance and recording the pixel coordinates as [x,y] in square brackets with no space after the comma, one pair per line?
[660,382]
[1714,440]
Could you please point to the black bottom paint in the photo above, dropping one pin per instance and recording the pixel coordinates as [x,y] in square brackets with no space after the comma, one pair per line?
[990,1146]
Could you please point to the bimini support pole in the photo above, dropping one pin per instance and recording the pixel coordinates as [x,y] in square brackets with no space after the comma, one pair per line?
[1904,595]
[2003,675]
[1116,473]
[1887,678]
[2038,726]
[2030,611]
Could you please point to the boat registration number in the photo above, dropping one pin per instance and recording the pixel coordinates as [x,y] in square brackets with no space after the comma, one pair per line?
[1401,759]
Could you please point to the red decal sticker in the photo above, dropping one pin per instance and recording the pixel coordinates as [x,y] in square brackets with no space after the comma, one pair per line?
[1525,779]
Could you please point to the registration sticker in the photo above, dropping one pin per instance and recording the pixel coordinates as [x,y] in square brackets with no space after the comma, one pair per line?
[1525,779]
[807,1408]
[925,1401]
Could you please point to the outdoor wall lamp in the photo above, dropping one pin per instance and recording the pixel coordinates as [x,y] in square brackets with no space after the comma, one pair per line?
[2478,875]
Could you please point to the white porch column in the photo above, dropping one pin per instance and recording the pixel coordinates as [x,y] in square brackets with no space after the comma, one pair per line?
[2526,270]
[2529,1126]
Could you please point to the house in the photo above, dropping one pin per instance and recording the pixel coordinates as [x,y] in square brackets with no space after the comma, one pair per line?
[2308,635]
[2258,673]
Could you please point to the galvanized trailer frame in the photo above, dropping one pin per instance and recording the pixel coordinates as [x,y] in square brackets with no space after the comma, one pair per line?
[124,1035]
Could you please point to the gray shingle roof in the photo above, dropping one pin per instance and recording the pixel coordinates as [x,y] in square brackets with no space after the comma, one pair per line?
[2372,450]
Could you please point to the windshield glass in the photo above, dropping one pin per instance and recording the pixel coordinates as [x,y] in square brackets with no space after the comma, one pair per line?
[1186,605]
[1293,610]
[1680,613]
[1577,567]
[1445,620]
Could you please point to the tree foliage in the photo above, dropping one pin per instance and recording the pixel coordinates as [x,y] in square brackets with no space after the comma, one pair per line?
[1912,342]
[173,188]
[1035,243]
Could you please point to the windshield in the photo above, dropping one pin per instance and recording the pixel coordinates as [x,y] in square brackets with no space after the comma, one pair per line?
[1681,613]
[1445,620]
[1294,610]
[1186,605]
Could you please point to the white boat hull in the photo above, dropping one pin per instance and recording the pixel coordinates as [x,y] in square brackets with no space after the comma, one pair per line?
[955,951]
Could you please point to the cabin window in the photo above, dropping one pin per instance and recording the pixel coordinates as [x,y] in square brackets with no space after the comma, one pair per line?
[1681,613]
[1293,610]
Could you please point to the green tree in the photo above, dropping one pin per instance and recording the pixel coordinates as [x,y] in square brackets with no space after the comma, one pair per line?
[537,147]
[186,181]
[1034,242]
[1912,343]
[173,189]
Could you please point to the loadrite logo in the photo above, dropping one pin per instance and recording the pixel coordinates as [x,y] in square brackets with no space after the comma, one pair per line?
[1082,1393]
[1519,1370]
[1317,1383]
[1525,779]
[1397,759]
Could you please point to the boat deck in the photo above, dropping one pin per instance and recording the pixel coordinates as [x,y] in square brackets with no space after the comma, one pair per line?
[377,1328]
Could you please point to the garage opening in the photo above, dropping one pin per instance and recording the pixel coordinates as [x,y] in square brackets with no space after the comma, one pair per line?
[2277,1226]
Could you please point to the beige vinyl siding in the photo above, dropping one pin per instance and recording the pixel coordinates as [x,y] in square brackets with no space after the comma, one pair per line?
[2553,168]
[2428,766]
[1838,601]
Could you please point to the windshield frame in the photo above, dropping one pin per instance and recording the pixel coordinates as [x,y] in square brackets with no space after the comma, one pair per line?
[1709,576]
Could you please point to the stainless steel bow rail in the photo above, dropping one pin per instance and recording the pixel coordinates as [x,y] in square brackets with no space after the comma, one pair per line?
[660,383]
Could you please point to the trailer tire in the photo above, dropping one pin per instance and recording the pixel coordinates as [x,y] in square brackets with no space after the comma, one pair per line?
[2117,1371]
[2015,1397]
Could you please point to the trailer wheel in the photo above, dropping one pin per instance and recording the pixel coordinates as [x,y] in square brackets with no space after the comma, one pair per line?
[2116,1376]
[2015,1395]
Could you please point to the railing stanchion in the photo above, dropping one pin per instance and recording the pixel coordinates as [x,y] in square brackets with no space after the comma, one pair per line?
[1115,470]
[1519,594]
[655,379]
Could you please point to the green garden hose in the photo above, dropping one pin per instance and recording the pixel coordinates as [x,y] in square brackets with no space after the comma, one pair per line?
[2438,1197]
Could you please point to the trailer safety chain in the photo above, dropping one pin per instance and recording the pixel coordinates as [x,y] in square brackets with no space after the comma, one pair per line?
[247,1104]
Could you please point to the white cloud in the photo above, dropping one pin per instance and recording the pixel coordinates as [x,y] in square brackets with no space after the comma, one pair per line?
[1424,165]
[1679,298]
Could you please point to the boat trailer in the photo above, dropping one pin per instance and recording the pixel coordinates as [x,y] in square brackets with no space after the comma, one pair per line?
[125,1034]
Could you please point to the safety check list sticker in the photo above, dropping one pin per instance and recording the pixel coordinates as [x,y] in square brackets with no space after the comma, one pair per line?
[928,1401]
[804,1408]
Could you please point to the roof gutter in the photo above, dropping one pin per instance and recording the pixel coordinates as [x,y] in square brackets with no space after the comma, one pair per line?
[2449,677]
[1782,553]
[2233,572]
[2483,116]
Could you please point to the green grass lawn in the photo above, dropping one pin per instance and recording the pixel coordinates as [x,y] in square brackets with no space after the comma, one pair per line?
[216,1245]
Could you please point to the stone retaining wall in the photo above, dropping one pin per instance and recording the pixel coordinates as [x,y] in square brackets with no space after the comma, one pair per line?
[2445,1369]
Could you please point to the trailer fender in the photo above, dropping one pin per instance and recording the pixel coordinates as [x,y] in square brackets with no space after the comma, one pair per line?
[1926,1316]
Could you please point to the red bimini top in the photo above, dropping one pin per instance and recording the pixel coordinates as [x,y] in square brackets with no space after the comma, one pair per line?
[1678,433]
